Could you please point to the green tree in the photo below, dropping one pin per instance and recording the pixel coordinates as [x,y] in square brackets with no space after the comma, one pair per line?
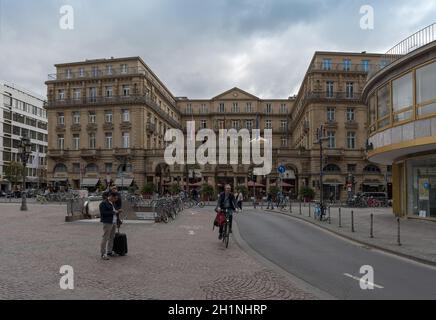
[307,193]
[148,188]
[207,190]
[274,190]
[14,173]
[175,188]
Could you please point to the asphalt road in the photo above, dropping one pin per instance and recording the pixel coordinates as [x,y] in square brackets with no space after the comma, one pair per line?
[330,263]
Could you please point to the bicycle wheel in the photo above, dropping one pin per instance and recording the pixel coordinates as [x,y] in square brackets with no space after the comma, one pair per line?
[227,236]
[201,204]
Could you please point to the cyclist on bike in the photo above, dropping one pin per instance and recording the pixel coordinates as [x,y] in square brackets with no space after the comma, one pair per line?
[227,203]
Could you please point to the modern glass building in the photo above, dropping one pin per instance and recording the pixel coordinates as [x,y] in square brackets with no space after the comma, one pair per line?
[401,98]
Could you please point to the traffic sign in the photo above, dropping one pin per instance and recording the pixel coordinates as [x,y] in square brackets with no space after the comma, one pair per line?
[281,169]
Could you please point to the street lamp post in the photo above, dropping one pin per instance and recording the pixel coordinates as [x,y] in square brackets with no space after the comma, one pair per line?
[320,138]
[24,150]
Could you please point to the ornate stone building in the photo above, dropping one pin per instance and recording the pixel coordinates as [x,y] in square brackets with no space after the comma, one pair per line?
[107,120]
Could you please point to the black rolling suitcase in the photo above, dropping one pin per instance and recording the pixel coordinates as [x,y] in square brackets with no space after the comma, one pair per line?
[120,243]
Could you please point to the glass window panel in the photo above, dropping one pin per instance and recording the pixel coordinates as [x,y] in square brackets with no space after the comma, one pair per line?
[426,83]
[402,92]
[430,108]
[403,116]
[384,123]
[383,102]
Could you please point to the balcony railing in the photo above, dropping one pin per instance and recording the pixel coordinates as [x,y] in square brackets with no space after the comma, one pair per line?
[411,43]
[343,67]
[57,153]
[91,73]
[333,95]
[114,100]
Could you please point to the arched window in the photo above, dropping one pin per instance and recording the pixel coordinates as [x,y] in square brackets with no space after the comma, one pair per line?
[91,168]
[332,168]
[372,169]
[60,168]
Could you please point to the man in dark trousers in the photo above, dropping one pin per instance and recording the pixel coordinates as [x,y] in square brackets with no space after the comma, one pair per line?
[227,201]
[109,218]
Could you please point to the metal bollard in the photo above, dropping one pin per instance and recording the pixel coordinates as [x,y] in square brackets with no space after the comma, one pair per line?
[352,221]
[309,209]
[330,220]
[300,209]
[340,218]
[290,206]
[398,234]
[372,226]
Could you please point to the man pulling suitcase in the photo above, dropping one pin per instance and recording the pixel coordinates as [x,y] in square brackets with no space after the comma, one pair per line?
[113,242]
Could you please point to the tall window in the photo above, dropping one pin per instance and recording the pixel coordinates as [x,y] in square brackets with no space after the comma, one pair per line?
[283,108]
[347,64]
[203,124]
[235,107]
[248,107]
[350,114]
[108,168]
[203,108]
[61,118]
[327,64]
[124,68]
[283,125]
[109,70]
[126,115]
[61,94]
[93,94]
[383,106]
[249,124]
[81,72]
[76,142]
[126,140]
[76,94]
[425,90]
[126,90]
[68,73]
[402,94]
[108,91]
[349,89]
[365,65]
[268,108]
[235,124]
[329,89]
[94,71]
[351,140]
[108,142]
[284,141]
[268,124]
[61,142]
[92,117]
[221,108]
[330,114]
[331,139]
[92,141]
[108,117]
[189,108]
[76,117]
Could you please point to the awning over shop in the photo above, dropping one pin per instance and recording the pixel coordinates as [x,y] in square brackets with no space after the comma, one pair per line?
[58,179]
[126,182]
[89,182]
[283,184]
[251,184]
[373,184]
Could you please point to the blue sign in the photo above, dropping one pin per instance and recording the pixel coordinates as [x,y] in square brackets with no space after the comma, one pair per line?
[281,169]
[427,185]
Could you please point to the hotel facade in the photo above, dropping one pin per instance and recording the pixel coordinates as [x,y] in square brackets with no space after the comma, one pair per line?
[107,120]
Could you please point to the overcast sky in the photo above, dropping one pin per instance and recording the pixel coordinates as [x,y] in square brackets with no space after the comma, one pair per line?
[200,48]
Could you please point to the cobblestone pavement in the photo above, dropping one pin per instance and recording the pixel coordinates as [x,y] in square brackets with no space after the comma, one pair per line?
[417,237]
[179,260]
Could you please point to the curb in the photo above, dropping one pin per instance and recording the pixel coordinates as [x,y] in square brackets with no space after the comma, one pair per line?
[371,245]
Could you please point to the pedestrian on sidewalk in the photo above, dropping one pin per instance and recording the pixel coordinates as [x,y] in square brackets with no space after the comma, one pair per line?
[269,199]
[240,199]
[109,218]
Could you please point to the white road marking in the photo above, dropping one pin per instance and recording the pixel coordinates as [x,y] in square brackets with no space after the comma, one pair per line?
[358,279]
[191,232]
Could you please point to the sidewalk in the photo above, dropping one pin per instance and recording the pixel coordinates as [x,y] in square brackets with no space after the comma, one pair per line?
[179,260]
[417,237]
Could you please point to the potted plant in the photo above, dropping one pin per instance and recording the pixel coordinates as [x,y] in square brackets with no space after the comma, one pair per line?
[148,189]
[207,191]
[175,188]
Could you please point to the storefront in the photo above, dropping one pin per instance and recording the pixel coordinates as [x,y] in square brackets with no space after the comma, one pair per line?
[401,100]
